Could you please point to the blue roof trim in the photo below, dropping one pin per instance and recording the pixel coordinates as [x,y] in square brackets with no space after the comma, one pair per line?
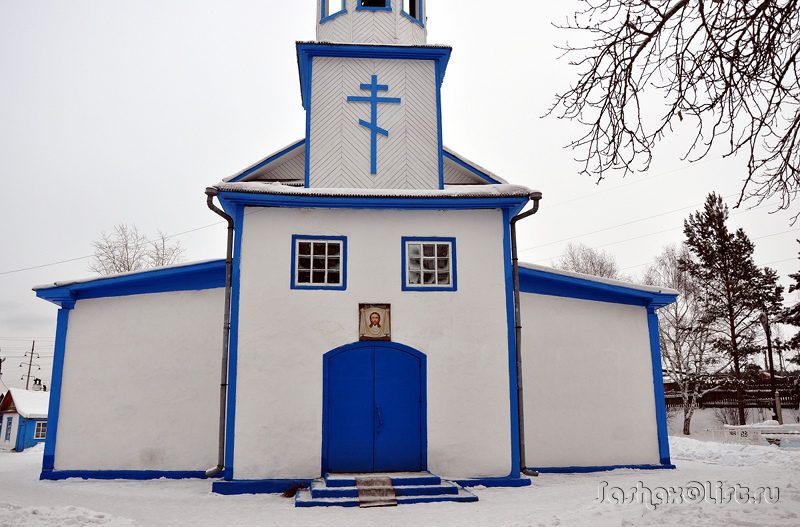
[553,284]
[307,51]
[192,277]
[261,164]
[232,199]
[483,175]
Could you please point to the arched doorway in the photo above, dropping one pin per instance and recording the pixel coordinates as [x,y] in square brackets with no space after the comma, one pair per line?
[374,409]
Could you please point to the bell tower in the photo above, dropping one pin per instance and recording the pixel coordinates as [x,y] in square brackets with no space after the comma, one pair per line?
[394,22]
[371,89]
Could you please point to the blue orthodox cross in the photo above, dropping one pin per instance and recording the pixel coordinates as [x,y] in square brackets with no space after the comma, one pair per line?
[373,127]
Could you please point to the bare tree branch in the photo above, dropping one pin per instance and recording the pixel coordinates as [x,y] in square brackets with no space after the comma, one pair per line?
[730,67]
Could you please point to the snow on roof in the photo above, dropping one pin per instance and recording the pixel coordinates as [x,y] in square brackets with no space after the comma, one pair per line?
[129,273]
[450,191]
[600,279]
[30,405]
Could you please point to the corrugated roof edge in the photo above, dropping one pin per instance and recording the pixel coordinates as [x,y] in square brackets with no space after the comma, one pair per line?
[451,191]
[600,279]
[365,44]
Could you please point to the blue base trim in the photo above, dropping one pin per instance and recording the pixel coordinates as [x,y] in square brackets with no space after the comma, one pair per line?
[494,482]
[585,470]
[56,475]
[261,486]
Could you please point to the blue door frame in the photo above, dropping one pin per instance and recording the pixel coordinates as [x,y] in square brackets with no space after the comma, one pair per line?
[374,408]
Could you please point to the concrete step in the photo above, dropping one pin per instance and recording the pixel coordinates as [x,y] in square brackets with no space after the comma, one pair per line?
[398,478]
[304,499]
[319,489]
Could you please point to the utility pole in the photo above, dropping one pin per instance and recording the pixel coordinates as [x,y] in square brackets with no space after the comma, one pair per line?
[775,396]
[30,365]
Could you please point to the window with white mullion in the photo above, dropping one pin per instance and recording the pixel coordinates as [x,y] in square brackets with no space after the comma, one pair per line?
[429,264]
[318,262]
[41,430]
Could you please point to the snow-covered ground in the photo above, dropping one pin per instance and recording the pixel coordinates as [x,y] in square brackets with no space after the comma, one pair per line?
[567,500]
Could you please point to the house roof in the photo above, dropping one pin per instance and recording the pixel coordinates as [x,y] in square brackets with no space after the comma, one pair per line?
[557,282]
[287,165]
[28,404]
[188,276]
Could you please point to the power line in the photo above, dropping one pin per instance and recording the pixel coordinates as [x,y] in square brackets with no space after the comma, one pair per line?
[51,264]
[636,182]
[618,226]
[768,263]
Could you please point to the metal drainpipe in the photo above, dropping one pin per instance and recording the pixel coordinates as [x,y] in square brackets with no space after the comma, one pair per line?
[536,197]
[211,192]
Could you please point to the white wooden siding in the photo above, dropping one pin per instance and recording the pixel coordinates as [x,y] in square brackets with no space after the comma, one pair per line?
[340,147]
[371,27]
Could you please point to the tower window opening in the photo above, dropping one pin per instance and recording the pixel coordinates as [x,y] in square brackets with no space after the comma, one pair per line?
[327,13]
[413,8]
[374,3]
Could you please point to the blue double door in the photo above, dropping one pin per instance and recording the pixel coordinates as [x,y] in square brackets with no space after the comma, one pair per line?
[374,409]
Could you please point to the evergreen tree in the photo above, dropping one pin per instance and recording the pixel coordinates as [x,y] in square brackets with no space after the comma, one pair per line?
[734,289]
[792,316]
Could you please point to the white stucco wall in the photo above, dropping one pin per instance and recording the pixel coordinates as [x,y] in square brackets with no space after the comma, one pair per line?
[11,443]
[340,146]
[283,334]
[141,383]
[588,383]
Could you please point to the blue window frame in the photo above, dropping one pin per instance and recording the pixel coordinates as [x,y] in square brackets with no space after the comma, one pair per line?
[415,11]
[429,264]
[326,8]
[373,5]
[8,428]
[319,262]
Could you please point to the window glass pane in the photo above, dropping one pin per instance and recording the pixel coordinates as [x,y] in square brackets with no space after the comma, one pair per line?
[443,250]
[304,262]
[414,264]
[333,277]
[429,278]
[428,249]
[305,248]
[442,264]
[414,278]
[304,277]
[319,263]
[333,264]
[429,264]
[414,250]
[318,277]
[319,249]
[444,278]
[334,249]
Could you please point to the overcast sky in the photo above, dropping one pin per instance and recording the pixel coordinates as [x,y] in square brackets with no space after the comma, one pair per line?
[124,111]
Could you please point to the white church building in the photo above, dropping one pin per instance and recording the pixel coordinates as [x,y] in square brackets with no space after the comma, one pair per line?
[369,318]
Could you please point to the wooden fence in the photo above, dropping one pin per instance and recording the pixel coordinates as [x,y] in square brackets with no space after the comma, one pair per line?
[755,396]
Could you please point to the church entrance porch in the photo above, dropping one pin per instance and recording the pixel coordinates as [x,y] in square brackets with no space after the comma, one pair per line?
[374,409]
